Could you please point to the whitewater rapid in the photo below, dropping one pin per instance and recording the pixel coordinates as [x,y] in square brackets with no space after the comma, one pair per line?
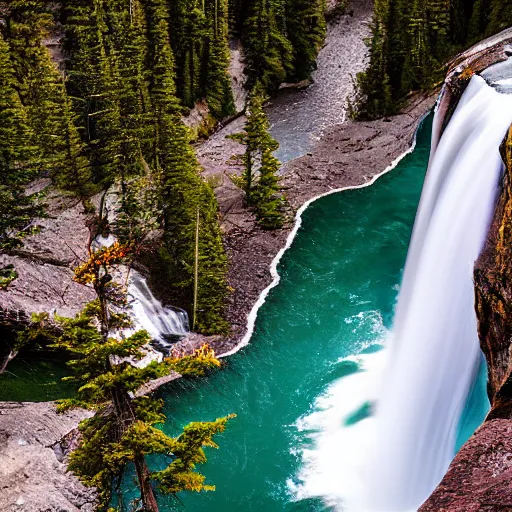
[420,382]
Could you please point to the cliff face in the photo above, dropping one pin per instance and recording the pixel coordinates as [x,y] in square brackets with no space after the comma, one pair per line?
[493,287]
[480,477]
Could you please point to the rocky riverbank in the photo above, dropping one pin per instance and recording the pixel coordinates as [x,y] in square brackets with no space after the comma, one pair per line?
[348,155]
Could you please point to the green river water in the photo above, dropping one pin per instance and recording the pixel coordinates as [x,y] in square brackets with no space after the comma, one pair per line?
[338,288]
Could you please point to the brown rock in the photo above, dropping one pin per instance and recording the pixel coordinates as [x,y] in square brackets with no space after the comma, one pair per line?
[480,477]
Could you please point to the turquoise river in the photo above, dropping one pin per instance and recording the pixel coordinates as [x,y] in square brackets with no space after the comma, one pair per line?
[338,288]
[336,298]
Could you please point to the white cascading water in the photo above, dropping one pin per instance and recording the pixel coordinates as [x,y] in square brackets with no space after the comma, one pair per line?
[392,462]
[161,322]
[435,348]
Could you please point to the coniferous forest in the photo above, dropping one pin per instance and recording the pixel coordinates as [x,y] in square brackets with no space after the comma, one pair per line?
[111,118]
[412,41]
[97,106]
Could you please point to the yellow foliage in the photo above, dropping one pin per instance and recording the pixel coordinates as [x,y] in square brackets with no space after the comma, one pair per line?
[196,364]
[88,272]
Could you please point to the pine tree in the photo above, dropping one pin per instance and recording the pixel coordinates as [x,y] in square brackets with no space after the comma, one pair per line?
[218,91]
[260,179]
[268,200]
[188,29]
[18,158]
[184,193]
[39,81]
[71,168]
[500,16]
[122,432]
[305,28]
[268,51]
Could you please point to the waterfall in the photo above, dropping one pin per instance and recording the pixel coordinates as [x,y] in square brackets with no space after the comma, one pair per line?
[434,350]
[162,323]
[419,385]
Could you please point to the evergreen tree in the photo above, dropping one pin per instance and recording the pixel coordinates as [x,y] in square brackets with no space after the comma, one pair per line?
[411,42]
[260,180]
[122,432]
[71,169]
[268,51]
[268,199]
[218,85]
[499,17]
[188,29]
[17,158]
[184,194]
[306,29]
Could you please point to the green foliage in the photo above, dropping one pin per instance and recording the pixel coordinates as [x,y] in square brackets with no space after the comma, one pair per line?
[412,40]
[260,180]
[104,367]
[281,39]
[218,92]
[18,158]
[268,51]
[187,451]
[306,30]
[183,193]
[7,275]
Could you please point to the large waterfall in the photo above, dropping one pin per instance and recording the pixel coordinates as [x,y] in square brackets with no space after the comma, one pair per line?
[435,348]
[419,384]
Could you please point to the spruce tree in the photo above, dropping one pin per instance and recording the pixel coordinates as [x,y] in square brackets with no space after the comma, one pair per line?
[305,28]
[184,193]
[500,16]
[268,199]
[260,180]
[218,91]
[268,51]
[18,158]
[122,431]
[71,168]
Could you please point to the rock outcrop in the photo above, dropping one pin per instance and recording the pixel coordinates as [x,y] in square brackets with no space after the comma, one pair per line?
[479,479]
[493,284]
[33,472]
[46,261]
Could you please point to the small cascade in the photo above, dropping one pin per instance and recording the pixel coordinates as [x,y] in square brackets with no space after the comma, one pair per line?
[434,352]
[164,324]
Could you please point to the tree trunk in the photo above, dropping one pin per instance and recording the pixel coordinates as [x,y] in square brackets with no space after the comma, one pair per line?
[12,354]
[123,406]
[146,491]
[196,271]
